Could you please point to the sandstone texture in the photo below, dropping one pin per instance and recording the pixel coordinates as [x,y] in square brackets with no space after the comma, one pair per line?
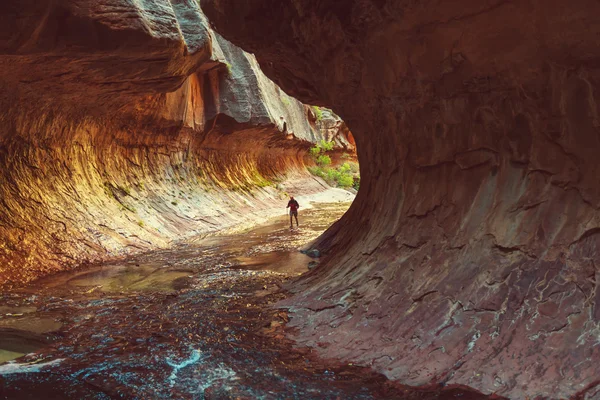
[126,126]
[471,254]
[332,128]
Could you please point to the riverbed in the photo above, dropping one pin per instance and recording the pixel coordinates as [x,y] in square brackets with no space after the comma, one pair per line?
[193,321]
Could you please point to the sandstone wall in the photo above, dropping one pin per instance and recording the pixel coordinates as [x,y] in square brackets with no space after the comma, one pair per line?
[332,128]
[125,126]
[472,252]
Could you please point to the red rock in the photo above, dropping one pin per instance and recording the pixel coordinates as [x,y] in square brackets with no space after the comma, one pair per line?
[127,125]
[477,130]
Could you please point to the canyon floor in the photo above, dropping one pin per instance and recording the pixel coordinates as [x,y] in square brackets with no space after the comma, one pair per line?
[193,321]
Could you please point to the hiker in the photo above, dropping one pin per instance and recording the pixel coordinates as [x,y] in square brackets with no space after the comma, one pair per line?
[293,206]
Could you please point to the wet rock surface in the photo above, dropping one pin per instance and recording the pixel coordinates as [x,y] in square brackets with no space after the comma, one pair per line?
[213,334]
[471,253]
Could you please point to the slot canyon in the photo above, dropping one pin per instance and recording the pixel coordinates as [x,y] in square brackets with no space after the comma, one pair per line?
[147,161]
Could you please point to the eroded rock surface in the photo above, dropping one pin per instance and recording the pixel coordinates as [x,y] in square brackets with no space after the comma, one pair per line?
[472,252]
[191,322]
[332,127]
[128,125]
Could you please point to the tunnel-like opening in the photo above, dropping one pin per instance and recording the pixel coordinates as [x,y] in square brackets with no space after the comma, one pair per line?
[470,254]
[146,164]
[110,152]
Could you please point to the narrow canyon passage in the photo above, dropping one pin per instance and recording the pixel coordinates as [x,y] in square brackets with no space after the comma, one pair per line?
[470,257]
[194,321]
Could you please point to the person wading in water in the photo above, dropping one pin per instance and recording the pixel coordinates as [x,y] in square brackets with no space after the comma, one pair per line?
[293,206]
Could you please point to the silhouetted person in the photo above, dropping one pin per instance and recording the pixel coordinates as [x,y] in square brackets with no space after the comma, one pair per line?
[293,206]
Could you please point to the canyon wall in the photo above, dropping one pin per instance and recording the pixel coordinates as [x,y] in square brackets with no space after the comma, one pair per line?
[332,127]
[471,254]
[124,127]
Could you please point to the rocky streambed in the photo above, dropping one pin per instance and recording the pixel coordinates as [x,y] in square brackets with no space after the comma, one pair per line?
[194,321]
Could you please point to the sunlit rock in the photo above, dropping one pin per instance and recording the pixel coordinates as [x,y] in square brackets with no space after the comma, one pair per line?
[129,125]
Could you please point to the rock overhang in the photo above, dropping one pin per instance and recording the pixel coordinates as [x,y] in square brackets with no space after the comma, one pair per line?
[476,131]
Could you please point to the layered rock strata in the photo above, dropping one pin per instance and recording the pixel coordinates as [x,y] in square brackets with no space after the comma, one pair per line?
[332,127]
[125,126]
[472,252]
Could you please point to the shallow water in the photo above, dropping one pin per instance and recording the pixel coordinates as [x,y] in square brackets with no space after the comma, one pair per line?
[33,323]
[272,246]
[6,355]
[194,321]
[15,343]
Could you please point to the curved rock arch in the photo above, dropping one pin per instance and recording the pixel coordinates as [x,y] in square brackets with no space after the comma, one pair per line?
[471,254]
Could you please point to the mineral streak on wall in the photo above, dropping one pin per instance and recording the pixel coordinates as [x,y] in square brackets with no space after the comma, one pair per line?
[124,126]
[472,252]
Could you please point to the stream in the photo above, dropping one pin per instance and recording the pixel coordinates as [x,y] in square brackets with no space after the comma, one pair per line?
[194,321]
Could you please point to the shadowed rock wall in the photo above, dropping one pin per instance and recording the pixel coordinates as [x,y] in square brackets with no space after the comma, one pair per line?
[472,252]
[127,126]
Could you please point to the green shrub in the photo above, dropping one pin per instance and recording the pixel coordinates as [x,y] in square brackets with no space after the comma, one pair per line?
[323,160]
[342,176]
[285,101]
[318,112]
[331,175]
[314,151]
[321,147]
[345,168]
[325,145]
[345,180]
[317,171]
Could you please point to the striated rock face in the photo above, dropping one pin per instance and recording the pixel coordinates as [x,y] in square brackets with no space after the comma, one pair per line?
[472,252]
[332,127]
[125,126]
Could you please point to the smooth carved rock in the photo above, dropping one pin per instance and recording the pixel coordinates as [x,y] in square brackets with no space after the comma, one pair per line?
[471,253]
[127,125]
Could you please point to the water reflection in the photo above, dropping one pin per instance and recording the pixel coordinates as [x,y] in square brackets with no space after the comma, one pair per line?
[270,247]
[15,343]
[194,321]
